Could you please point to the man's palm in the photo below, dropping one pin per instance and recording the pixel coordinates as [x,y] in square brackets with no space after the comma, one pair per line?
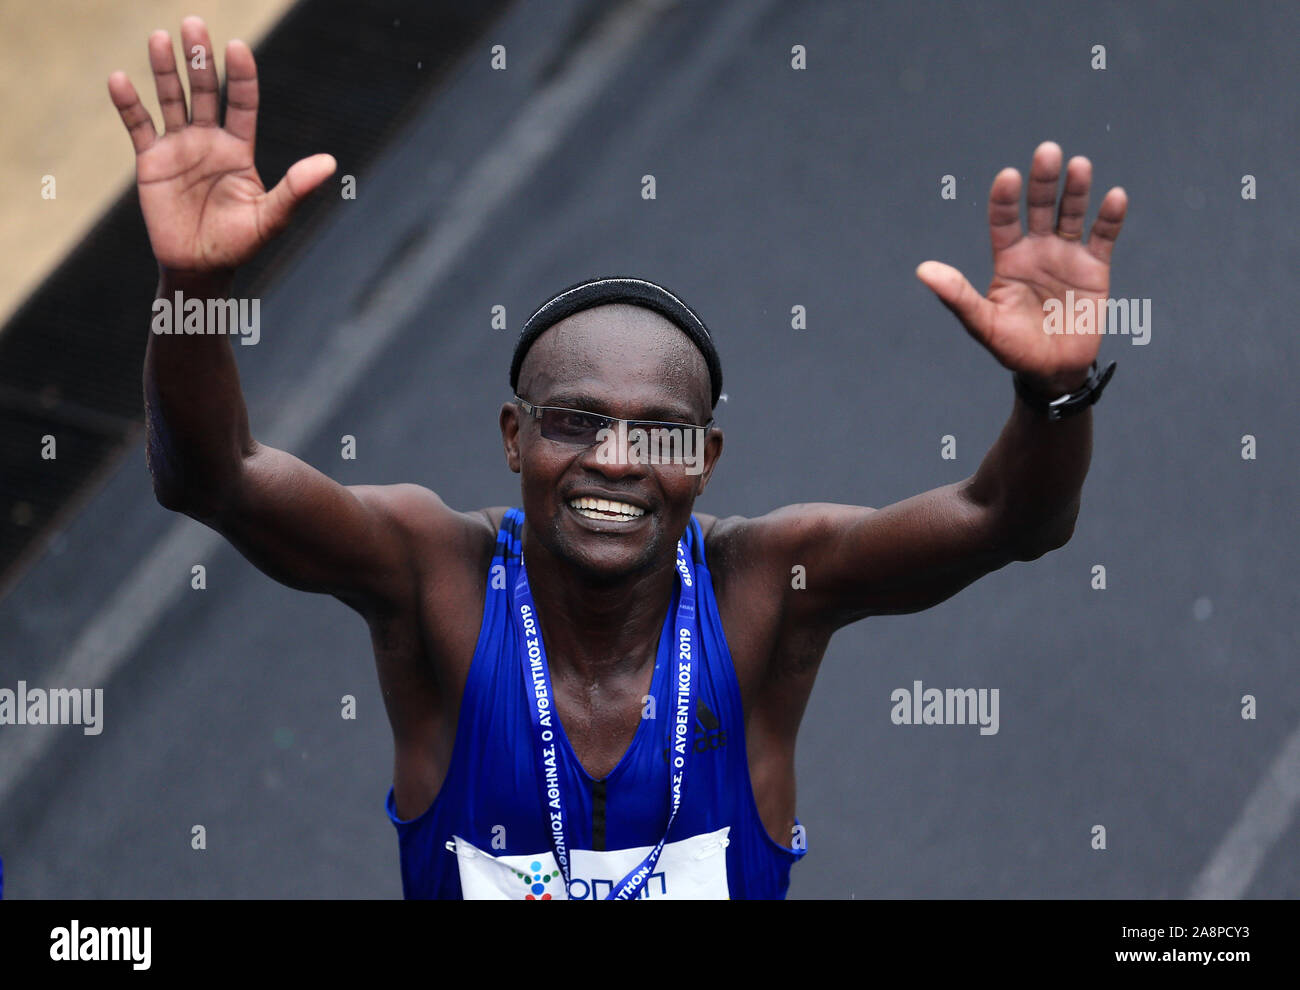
[1031,268]
[204,204]
[199,194]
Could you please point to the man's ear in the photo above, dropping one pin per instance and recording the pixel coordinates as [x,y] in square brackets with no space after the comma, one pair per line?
[510,434]
[712,451]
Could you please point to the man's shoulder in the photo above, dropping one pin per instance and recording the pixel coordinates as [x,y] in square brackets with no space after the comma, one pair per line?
[422,517]
[782,531]
[742,549]
[494,516]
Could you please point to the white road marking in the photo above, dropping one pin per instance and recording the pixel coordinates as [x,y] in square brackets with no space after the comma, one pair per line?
[1267,815]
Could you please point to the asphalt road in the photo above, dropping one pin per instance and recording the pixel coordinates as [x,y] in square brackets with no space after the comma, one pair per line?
[774,188]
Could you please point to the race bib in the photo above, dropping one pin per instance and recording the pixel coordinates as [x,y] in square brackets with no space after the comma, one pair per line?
[690,869]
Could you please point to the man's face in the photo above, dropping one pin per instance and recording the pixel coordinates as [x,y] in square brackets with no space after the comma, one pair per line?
[627,362]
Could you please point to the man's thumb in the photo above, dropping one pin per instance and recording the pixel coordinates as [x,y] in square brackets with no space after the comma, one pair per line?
[955,292]
[303,176]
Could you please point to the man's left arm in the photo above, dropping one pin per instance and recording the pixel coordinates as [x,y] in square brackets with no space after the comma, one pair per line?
[1024,498]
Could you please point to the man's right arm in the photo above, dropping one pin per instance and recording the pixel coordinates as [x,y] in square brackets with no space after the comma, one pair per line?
[294,523]
[207,212]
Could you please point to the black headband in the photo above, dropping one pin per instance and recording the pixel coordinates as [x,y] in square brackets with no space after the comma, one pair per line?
[601,291]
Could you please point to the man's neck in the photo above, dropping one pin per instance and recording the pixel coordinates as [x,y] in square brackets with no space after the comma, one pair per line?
[597,630]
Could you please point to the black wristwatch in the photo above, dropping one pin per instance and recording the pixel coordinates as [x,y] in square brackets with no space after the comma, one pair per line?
[1070,404]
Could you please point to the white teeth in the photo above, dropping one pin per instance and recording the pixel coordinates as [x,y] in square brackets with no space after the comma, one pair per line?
[601,508]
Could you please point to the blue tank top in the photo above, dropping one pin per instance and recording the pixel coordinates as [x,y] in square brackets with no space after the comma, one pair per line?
[488,825]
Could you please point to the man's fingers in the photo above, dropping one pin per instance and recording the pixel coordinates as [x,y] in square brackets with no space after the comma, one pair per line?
[1074,201]
[196,49]
[1004,209]
[303,176]
[136,118]
[241,91]
[171,97]
[955,292]
[1044,176]
[1110,218]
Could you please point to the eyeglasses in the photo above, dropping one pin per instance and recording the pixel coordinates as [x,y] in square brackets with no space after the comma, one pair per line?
[582,429]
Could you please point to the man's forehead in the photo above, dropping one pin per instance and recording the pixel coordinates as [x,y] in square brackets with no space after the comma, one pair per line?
[617,352]
[620,324]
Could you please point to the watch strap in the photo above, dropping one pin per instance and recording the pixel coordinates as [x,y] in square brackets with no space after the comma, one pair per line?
[1071,403]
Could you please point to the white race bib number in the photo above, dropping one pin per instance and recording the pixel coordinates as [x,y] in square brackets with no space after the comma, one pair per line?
[690,869]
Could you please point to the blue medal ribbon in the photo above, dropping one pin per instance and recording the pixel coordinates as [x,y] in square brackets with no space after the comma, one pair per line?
[545,719]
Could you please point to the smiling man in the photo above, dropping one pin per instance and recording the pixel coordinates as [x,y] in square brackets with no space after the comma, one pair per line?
[598,696]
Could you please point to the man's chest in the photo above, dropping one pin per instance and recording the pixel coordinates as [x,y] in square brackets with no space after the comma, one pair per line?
[601,717]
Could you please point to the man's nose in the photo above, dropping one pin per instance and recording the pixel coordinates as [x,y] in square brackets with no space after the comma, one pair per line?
[618,454]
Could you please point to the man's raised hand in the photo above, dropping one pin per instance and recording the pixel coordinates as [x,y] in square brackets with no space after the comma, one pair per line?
[204,205]
[1030,268]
